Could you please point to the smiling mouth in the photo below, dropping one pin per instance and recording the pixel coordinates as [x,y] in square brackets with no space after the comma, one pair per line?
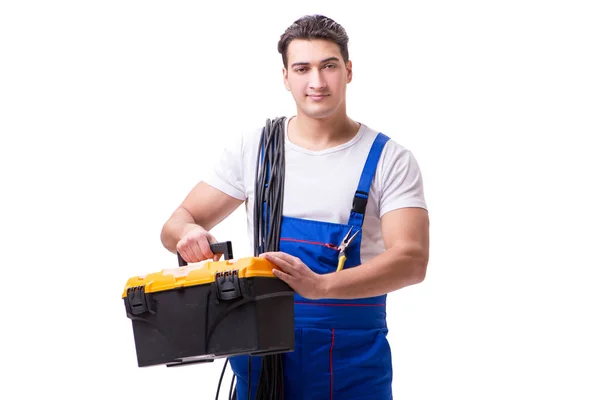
[317,96]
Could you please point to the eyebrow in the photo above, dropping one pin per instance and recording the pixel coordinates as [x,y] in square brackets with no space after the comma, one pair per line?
[322,61]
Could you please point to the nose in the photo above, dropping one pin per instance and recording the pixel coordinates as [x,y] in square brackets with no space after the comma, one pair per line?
[317,82]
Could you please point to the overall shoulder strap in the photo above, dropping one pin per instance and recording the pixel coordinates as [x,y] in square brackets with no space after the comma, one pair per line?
[359,205]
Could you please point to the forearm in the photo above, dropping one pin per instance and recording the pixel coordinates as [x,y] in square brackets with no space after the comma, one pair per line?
[176,226]
[398,267]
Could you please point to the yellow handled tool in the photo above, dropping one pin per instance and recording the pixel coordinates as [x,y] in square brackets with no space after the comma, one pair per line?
[343,246]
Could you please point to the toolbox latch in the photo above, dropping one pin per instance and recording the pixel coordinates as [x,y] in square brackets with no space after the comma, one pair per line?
[136,300]
[228,285]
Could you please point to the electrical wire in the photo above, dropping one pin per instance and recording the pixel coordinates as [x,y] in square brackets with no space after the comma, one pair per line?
[269,187]
[232,389]
[221,379]
[268,213]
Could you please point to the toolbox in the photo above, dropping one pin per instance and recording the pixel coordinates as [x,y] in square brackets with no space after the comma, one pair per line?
[199,312]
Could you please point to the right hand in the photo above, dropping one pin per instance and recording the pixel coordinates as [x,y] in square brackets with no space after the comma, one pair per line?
[194,245]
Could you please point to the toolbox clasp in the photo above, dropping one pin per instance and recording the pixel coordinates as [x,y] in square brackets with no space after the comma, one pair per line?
[228,285]
[136,300]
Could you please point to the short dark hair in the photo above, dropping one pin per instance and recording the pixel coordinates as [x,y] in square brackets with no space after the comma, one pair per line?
[314,27]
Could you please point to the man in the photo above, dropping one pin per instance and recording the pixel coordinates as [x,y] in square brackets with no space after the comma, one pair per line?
[341,178]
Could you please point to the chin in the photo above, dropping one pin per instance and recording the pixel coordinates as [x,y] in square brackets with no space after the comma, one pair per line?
[318,112]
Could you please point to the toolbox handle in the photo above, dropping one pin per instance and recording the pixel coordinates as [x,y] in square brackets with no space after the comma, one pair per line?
[217,248]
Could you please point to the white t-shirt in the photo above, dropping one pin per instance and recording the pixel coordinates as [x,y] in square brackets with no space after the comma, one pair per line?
[320,185]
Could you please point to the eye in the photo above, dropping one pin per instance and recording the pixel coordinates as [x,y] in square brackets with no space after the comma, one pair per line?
[330,66]
[300,70]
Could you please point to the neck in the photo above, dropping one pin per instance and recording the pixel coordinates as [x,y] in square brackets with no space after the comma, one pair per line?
[321,133]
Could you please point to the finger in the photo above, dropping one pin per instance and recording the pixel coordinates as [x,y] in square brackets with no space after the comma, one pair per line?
[205,248]
[273,255]
[291,262]
[283,276]
[211,239]
[282,255]
[280,262]
[181,249]
[194,248]
[186,246]
[183,255]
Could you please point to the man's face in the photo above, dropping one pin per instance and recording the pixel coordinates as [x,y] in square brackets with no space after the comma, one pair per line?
[316,76]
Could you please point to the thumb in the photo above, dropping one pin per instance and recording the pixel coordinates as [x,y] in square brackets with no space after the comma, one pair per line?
[212,240]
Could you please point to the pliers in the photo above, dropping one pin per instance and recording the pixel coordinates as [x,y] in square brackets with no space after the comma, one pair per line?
[342,248]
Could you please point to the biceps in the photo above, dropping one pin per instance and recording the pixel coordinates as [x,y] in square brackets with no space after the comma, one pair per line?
[407,228]
[208,205]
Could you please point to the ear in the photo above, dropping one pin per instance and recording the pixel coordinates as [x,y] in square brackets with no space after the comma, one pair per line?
[285,78]
[349,72]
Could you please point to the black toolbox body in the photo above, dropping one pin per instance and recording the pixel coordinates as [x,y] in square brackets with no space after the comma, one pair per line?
[214,309]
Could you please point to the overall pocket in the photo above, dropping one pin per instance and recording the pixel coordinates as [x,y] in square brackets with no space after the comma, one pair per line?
[319,256]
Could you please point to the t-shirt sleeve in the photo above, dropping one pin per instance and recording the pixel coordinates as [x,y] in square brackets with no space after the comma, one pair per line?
[226,173]
[400,180]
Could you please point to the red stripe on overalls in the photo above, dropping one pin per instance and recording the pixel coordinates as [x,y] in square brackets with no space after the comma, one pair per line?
[340,304]
[331,246]
[331,364]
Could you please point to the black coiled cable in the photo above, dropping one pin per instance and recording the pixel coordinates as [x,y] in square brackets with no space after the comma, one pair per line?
[269,187]
[268,213]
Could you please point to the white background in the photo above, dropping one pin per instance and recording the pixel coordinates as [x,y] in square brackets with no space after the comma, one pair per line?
[110,111]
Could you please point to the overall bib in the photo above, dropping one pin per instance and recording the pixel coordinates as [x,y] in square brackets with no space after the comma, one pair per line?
[341,350]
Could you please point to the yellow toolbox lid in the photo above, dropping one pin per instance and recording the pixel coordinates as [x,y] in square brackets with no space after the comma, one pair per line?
[200,273]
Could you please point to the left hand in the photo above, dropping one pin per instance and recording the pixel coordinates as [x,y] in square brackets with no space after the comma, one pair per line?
[295,273]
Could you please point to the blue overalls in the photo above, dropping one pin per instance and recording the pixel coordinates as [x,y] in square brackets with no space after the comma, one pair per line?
[341,350]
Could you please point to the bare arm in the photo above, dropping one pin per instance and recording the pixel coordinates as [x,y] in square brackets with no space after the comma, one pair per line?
[202,209]
[404,263]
